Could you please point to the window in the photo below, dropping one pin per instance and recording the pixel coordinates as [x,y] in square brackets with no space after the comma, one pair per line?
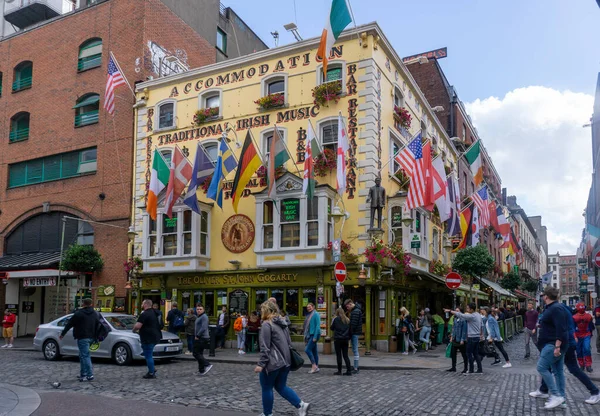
[268,138]
[167,155]
[166,115]
[396,224]
[464,190]
[334,73]
[424,129]
[50,168]
[260,296]
[276,87]
[464,132]
[329,134]
[268,224]
[309,295]
[398,98]
[312,222]
[185,234]
[291,305]
[203,233]
[275,84]
[329,220]
[290,222]
[23,76]
[419,226]
[212,151]
[151,237]
[395,146]
[222,40]
[90,55]
[169,235]
[85,234]
[87,109]
[211,99]
[19,127]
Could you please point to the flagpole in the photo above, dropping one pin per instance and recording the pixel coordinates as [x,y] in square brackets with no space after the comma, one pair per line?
[262,159]
[353,21]
[287,150]
[399,150]
[122,73]
[316,136]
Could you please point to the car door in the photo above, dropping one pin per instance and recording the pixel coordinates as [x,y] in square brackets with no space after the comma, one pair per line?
[68,345]
[105,348]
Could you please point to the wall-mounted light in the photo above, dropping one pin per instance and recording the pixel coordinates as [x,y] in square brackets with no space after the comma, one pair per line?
[235,263]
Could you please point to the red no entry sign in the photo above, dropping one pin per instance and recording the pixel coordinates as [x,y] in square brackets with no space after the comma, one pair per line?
[453,280]
[340,272]
[597,259]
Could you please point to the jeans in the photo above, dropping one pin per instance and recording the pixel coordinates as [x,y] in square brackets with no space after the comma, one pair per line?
[85,361]
[571,364]
[408,342]
[241,339]
[555,379]
[276,379]
[597,338]
[341,349]
[220,335]
[199,346]
[190,343]
[148,350]
[463,352]
[473,353]
[584,351]
[500,346]
[425,333]
[528,336]
[354,341]
[312,351]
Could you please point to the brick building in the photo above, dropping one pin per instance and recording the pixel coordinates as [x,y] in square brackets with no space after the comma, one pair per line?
[61,153]
[569,286]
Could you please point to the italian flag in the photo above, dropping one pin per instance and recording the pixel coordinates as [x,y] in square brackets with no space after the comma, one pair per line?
[158,181]
[339,18]
[473,156]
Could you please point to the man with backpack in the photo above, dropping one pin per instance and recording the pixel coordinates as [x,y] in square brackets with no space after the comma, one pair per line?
[150,334]
[86,326]
[175,319]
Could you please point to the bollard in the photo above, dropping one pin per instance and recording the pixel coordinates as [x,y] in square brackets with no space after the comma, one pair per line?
[393,343]
[327,346]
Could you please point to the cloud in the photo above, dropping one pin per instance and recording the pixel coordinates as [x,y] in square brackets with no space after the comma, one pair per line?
[535,138]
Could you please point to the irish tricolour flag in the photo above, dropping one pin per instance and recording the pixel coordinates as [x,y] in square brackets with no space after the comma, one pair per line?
[158,181]
[339,18]
[473,156]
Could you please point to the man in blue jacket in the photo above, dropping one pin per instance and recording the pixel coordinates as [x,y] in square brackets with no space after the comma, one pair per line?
[312,333]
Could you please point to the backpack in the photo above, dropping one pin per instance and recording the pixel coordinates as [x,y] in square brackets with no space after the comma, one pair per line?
[178,322]
[238,326]
[102,329]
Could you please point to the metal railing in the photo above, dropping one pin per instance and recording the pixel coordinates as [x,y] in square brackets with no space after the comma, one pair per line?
[89,62]
[18,135]
[21,84]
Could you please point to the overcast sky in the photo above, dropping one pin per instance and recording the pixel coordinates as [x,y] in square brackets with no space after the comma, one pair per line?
[527,71]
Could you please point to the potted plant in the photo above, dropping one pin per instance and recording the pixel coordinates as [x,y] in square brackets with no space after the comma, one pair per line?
[402,117]
[325,162]
[82,259]
[387,255]
[271,101]
[326,92]
[204,115]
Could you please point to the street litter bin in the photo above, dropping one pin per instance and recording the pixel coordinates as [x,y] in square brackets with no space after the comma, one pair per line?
[327,345]
[212,332]
[393,343]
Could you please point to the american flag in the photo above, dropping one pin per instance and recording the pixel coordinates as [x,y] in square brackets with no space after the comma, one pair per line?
[411,161]
[481,200]
[115,79]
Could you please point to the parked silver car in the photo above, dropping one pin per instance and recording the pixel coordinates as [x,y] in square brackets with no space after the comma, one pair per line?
[121,344]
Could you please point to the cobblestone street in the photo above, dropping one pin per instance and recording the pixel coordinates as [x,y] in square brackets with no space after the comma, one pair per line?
[234,387]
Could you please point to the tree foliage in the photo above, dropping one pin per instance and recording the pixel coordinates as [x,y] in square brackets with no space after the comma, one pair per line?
[510,281]
[530,285]
[474,261]
[82,259]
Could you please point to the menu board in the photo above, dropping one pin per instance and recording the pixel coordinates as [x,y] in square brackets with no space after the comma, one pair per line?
[238,301]
[290,210]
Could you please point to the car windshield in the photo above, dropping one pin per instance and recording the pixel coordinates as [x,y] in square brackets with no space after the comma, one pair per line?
[123,322]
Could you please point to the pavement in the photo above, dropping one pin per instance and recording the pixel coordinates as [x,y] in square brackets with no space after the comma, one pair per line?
[17,401]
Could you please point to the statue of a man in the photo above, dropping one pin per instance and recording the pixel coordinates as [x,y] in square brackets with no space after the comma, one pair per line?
[377,199]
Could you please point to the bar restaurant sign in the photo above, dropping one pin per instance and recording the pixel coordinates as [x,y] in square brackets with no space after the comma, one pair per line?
[39,281]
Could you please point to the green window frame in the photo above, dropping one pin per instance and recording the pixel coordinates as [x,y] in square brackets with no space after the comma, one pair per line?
[290,299]
[19,127]
[221,40]
[23,76]
[51,168]
[90,55]
[87,110]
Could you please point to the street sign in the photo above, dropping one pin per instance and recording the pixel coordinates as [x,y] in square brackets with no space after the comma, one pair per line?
[590,288]
[453,280]
[415,240]
[336,249]
[39,281]
[594,295]
[591,280]
[340,272]
[597,259]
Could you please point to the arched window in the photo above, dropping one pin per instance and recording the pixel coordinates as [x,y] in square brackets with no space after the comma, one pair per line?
[212,150]
[267,139]
[275,85]
[165,115]
[19,127]
[86,109]
[328,131]
[212,100]
[23,76]
[398,98]
[90,54]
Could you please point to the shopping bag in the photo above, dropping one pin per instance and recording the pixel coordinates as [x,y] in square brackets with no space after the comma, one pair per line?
[449,350]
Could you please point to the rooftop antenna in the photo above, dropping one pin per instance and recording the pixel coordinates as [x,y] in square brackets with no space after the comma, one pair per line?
[275,37]
[291,27]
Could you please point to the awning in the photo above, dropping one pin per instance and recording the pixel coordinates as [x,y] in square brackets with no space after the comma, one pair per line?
[523,295]
[462,289]
[499,289]
[30,261]
[92,99]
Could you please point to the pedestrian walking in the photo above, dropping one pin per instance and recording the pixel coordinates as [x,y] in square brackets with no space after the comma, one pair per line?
[222,327]
[553,343]
[458,340]
[8,322]
[189,323]
[597,316]
[474,335]
[355,329]
[584,326]
[341,337]
[405,327]
[252,332]
[573,367]
[239,326]
[85,323]
[530,321]
[424,322]
[175,319]
[493,336]
[312,333]
[148,327]
[275,360]
[201,341]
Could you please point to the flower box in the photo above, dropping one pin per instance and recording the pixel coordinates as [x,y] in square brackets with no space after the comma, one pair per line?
[402,118]
[325,163]
[324,93]
[271,101]
[205,115]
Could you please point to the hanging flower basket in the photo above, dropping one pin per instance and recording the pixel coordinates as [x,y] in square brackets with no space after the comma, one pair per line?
[324,93]
[262,172]
[271,101]
[325,163]
[402,117]
[204,115]
[439,268]
[391,255]
[347,254]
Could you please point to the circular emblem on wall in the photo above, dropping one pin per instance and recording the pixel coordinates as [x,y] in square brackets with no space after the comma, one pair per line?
[237,233]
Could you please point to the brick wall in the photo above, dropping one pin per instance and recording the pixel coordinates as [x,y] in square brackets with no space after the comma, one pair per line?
[430,81]
[53,48]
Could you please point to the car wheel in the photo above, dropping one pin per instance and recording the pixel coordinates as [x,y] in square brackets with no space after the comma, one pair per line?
[51,350]
[122,354]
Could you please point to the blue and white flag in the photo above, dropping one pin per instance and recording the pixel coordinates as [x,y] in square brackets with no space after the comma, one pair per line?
[203,168]
[453,223]
[546,278]
[225,163]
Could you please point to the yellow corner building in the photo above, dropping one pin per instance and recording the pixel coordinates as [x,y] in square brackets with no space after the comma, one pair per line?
[280,248]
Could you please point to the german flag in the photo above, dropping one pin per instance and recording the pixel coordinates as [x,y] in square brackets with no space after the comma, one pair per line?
[249,163]
[466,227]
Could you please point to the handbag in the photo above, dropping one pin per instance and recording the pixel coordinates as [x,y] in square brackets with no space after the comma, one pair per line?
[296,360]
[489,350]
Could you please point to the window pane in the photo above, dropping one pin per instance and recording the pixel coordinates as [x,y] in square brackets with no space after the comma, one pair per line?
[275,87]
[165,115]
[152,246]
[187,243]
[213,102]
[313,233]
[268,236]
[203,244]
[329,132]
[334,74]
[34,171]
[209,302]
[278,295]
[290,235]
[221,40]
[260,297]
[70,164]
[212,151]
[204,222]
[52,168]
[291,302]
[187,220]
[396,217]
[170,245]
[309,295]
[198,297]
[312,206]
[290,210]
[170,224]
[17,174]
[167,155]
[89,155]
[268,212]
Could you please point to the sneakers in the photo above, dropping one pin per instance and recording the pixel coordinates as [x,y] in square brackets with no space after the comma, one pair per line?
[507,365]
[538,394]
[188,353]
[311,371]
[553,402]
[405,353]
[594,399]
[451,370]
[241,352]
[467,373]
[149,376]
[4,346]
[88,378]
[206,370]
[355,371]
[588,369]
[303,409]
[496,362]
